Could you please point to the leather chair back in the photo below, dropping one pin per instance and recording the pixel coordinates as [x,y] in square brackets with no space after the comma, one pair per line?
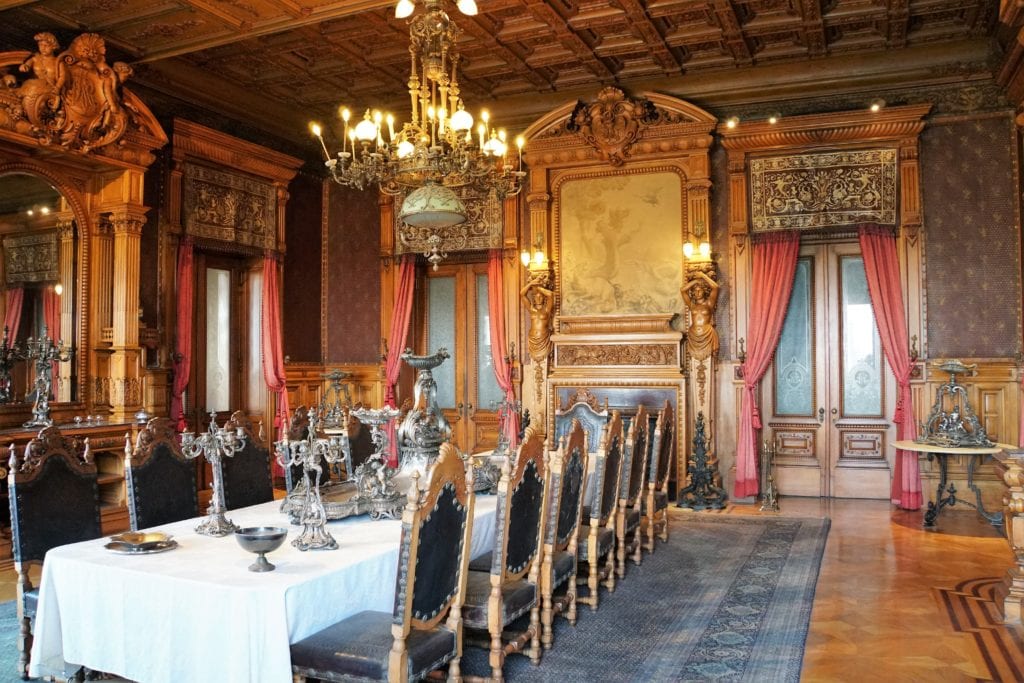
[247,477]
[161,481]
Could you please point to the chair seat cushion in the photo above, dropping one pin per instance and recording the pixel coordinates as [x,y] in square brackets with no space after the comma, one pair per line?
[360,646]
[563,564]
[482,563]
[605,539]
[660,501]
[31,601]
[516,598]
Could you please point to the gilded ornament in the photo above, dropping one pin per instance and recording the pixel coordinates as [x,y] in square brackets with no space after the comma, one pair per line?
[612,123]
[540,304]
[700,295]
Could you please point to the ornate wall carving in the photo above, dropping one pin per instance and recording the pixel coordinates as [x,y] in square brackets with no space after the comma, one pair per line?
[229,207]
[616,354]
[612,123]
[31,258]
[823,189]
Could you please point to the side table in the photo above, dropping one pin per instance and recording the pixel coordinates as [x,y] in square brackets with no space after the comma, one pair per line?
[945,494]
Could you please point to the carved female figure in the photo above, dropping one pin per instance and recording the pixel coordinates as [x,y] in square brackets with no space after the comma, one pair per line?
[700,295]
[540,302]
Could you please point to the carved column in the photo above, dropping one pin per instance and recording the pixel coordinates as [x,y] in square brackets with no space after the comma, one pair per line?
[700,294]
[538,202]
[66,270]
[125,363]
[101,302]
[1010,596]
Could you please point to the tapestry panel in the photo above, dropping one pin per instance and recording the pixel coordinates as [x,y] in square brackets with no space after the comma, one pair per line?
[31,258]
[229,207]
[822,190]
[619,243]
[972,245]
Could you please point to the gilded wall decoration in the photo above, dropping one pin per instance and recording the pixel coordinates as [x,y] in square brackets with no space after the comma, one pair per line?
[71,98]
[619,244]
[825,189]
[617,354]
[229,207]
[612,123]
[482,229]
[31,258]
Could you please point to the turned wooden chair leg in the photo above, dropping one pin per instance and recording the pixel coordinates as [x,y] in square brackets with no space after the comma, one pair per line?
[535,649]
[664,527]
[24,646]
[547,617]
[454,671]
[570,595]
[610,564]
[593,581]
[620,545]
[650,527]
[497,657]
[638,553]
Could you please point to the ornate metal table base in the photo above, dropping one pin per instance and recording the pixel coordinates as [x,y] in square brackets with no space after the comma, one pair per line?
[216,524]
[945,494]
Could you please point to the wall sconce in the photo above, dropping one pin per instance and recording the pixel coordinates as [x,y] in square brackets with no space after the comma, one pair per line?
[535,261]
[697,248]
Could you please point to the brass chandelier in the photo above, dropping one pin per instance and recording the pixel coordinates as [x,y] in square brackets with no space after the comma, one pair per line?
[438,149]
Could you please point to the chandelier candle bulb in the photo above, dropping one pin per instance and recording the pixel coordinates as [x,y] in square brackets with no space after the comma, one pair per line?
[391,128]
[317,132]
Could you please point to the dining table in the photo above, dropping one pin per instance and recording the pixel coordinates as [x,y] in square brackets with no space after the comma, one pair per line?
[196,613]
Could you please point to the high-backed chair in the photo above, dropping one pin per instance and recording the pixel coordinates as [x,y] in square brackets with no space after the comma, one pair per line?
[247,477]
[567,472]
[655,500]
[499,595]
[596,552]
[161,481]
[592,415]
[54,500]
[631,485]
[424,631]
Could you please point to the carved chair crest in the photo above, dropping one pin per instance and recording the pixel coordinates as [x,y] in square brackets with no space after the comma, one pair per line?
[51,443]
[158,432]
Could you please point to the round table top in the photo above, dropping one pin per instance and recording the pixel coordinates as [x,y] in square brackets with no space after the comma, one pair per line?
[962,450]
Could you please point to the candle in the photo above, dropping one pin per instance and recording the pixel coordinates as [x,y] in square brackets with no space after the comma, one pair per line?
[317,132]
[480,129]
[391,128]
[345,116]
[520,141]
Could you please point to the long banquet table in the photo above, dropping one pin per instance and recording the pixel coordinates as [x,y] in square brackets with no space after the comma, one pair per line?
[195,613]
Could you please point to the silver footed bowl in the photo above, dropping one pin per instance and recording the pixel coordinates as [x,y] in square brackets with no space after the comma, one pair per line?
[261,540]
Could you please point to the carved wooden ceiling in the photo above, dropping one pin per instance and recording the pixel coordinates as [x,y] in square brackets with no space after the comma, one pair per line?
[278,63]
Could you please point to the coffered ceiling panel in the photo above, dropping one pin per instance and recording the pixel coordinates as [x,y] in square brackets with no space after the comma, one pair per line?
[282,62]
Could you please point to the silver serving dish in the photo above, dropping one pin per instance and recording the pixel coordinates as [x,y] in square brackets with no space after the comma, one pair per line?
[143,549]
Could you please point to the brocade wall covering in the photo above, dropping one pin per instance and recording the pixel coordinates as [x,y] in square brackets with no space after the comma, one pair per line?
[300,316]
[972,247]
[353,276]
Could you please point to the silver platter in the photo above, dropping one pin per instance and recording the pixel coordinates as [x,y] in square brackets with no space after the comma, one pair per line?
[144,549]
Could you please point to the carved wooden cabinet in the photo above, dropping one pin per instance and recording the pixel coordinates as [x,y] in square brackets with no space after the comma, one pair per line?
[106,442]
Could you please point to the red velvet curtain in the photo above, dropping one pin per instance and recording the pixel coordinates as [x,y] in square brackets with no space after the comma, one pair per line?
[273,345]
[774,267]
[400,316]
[51,318]
[183,355]
[14,296]
[502,368]
[881,265]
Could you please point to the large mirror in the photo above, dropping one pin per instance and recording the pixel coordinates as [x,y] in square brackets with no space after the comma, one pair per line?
[38,278]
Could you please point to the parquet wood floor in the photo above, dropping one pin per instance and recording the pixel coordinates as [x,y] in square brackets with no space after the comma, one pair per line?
[897,603]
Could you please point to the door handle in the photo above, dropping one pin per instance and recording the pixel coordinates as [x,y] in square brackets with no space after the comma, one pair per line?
[459,407]
[821,415]
[469,408]
[835,415]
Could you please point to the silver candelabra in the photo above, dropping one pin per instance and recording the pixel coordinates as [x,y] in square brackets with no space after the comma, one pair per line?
[374,479]
[308,453]
[44,352]
[215,444]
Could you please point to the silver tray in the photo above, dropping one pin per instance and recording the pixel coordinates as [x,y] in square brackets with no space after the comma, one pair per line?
[146,549]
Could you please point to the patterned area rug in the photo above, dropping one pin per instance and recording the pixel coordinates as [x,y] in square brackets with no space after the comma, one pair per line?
[728,599]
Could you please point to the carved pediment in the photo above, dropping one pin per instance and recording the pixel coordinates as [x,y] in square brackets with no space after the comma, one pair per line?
[74,100]
[612,123]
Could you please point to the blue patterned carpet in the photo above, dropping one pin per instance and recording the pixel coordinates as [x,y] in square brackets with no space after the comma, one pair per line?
[728,599]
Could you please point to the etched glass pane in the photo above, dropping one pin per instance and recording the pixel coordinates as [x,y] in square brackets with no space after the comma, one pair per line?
[441,333]
[488,394]
[255,381]
[862,352]
[794,390]
[218,339]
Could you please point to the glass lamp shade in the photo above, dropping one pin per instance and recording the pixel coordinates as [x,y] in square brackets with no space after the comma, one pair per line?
[432,206]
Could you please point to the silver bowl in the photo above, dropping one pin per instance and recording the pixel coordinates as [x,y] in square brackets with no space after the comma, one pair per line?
[261,540]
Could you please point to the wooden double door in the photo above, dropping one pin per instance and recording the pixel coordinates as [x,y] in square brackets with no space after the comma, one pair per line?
[828,396]
[456,317]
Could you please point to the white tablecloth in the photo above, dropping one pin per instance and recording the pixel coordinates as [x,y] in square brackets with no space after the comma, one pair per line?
[196,614]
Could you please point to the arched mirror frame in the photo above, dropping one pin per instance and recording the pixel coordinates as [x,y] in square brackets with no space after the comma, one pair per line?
[98,178]
[66,182]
